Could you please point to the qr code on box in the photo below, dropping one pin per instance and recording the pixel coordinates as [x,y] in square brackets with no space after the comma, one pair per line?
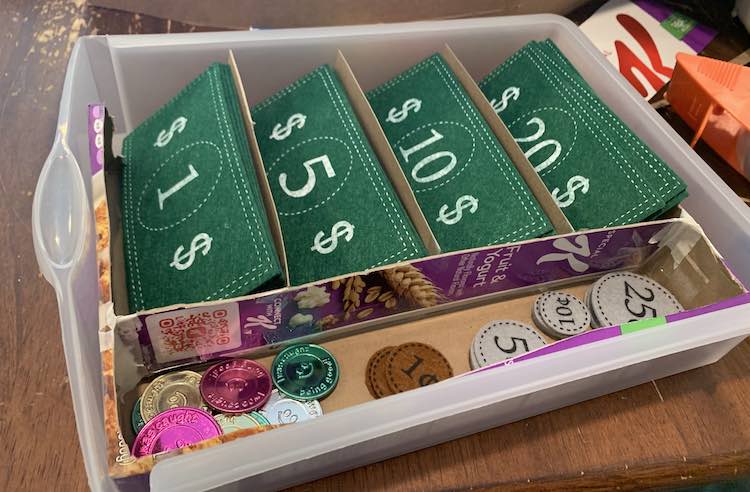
[191,332]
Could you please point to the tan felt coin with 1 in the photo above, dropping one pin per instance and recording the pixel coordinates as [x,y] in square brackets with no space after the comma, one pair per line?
[413,365]
[376,379]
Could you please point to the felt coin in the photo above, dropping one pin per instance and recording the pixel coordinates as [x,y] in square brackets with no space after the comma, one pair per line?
[136,420]
[375,377]
[175,389]
[623,297]
[560,315]
[587,302]
[595,323]
[368,383]
[376,373]
[504,339]
[287,411]
[175,428]
[236,386]
[413,365]
[473,363]
[305,372]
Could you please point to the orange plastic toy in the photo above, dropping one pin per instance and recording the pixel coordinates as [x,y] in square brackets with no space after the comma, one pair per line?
[713,97]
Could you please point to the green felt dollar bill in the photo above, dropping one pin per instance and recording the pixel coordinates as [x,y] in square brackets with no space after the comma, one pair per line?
[338,211]
[467,186]
[195,228]
[599,172]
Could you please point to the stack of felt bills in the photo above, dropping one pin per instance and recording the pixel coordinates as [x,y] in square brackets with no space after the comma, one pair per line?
[338,211]
[468,188]
[195,228]
[599,172]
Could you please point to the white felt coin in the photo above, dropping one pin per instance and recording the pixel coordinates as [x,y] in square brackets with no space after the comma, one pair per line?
[623,297]
[560,315]
[504,339]
[595,323]
[473,359]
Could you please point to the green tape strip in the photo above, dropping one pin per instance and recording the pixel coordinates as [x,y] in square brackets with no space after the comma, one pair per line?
[642,324]
[678,25]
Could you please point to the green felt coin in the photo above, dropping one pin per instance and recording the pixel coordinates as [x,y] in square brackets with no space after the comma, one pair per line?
[338,211]
[600,173]
[466,185]
[195,228]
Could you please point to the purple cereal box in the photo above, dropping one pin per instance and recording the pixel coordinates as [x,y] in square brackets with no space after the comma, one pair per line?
[177,336]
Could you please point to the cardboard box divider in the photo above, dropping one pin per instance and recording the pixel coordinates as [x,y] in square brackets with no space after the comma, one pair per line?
[384,152]
[260,172]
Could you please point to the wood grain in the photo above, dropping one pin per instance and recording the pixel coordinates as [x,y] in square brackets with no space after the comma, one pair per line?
[684,430]
[39,447]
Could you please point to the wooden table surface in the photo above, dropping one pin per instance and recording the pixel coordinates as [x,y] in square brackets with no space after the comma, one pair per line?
[680,431]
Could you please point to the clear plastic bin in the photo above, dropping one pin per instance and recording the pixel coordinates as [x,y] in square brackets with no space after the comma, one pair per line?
[134,75]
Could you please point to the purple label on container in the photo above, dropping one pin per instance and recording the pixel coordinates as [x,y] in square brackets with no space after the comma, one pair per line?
[96,137]
[183,335]
[615,331]
[717,306]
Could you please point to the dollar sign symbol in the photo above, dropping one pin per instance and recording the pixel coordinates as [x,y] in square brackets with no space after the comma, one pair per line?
[567,198]
[325,246]
[397,116]
[281,132]
[508,94]
[165,137]
[184,261]
[455,215]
